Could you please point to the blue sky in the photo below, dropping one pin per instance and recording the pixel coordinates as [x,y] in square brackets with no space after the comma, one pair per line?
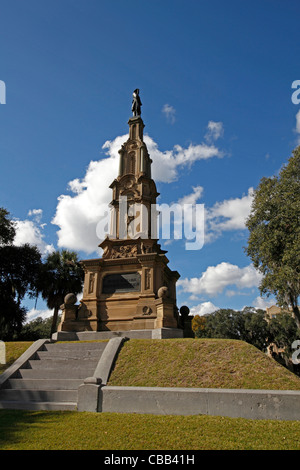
[215,80]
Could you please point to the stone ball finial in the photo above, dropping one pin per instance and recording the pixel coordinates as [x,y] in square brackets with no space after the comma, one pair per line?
[70,299]
[163,292]
[184,310]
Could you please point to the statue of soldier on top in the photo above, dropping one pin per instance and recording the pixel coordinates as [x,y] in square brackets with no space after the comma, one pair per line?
[136,103]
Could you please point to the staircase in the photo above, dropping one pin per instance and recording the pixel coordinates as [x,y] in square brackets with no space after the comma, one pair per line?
[50,380]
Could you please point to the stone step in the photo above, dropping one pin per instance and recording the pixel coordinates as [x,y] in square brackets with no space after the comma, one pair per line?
[23,395]
[44,384]
[37,405]
[96,345]
[50,379]
[68,354]
[56,373]
[63,363]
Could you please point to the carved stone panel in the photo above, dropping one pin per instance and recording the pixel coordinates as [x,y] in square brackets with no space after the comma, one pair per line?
[92,277]
[147,279]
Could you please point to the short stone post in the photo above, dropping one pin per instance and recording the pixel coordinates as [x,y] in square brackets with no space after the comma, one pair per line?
[88,395]
[69,312]
[186,322]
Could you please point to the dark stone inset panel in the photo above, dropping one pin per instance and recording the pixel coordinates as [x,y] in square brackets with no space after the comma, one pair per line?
[123,282]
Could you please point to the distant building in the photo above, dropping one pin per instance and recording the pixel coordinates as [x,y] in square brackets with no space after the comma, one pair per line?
[273,311]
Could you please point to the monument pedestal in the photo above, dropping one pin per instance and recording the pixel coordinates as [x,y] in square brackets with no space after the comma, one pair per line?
[132,292]
[157,333]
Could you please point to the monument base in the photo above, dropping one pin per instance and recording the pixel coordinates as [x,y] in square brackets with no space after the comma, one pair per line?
[157,333]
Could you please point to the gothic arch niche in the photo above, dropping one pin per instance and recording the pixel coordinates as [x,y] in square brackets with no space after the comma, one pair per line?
[133,131]
[131,163]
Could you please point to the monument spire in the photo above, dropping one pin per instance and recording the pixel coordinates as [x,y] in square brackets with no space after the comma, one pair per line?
[134,180]
[134,156]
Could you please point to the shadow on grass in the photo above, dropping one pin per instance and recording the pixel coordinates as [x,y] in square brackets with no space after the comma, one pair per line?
[15,425]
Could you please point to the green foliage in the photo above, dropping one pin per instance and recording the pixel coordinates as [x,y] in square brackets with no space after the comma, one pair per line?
[60,275]
[38,328]
[283,332]
[7,228]
[255,328]
[274,239]
[19,270]
[198,325]
[248,325]
[22,271]
[12,316]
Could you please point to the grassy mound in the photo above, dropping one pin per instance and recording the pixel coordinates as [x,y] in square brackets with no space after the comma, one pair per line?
[208,363]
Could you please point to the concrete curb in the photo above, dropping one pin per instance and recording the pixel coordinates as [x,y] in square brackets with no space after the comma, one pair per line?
[235,403]
[89,393]
[21,361]
[107,359]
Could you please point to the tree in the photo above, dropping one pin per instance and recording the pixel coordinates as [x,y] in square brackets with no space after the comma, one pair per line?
[274,234]
[19,269]
[247,325]
[61,274]
[7,228]
[255,329]
[198,325]
[36,329]
[223,323]
[283,332]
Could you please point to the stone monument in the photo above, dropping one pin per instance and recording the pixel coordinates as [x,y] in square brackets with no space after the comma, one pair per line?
[131,287]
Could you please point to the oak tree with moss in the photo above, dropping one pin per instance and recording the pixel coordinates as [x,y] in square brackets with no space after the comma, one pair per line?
[274,234]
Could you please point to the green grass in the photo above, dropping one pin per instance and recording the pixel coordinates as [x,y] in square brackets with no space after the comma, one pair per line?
[40,430]
[174,362]
[13,351]
[207,363]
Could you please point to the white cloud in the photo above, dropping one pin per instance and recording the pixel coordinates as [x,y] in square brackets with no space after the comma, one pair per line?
[78,214]
[230,214]
[215,130]
[166,164]
[31,232]
[203,308]
[37,214]
[169,112]
[232,293]
[33,314]
[193,197]
[215,279]
[262,303]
